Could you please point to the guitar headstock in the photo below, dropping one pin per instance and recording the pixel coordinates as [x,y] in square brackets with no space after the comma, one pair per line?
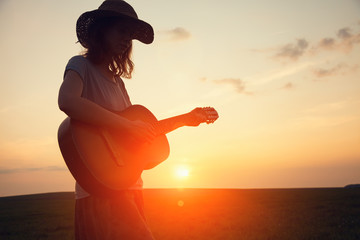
[211,114]
[204,114]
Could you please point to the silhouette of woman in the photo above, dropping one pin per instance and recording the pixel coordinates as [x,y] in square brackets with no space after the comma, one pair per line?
[92,90]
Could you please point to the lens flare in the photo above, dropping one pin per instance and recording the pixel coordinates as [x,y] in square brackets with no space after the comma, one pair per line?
[180,203]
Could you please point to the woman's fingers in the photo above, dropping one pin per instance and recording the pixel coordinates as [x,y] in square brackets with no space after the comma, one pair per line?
[143,132]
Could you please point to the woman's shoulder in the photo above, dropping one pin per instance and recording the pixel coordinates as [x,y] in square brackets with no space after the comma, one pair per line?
[78,59]
[78,64]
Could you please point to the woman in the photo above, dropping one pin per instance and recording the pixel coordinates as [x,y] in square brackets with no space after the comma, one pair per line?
[92,90]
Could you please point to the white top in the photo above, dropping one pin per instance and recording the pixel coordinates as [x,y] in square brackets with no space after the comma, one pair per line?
[100,90]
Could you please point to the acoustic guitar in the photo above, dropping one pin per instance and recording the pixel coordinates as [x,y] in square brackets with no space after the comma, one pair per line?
[104,163]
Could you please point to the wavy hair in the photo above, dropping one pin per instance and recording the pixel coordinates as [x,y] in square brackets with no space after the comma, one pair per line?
[98,51]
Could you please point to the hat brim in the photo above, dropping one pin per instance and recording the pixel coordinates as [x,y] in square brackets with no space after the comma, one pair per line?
[142,31]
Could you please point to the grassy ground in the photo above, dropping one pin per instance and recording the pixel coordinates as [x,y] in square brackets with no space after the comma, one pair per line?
[203,214]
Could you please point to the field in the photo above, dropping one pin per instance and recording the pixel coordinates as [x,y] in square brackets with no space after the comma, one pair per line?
[174,214]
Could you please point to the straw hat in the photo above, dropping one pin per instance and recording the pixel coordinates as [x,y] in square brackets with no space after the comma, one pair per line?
[114,8]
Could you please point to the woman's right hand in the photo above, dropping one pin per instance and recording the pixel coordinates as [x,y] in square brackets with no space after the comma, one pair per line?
[141,131]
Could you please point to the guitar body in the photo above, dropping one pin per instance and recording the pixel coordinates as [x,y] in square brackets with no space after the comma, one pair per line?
[104,162]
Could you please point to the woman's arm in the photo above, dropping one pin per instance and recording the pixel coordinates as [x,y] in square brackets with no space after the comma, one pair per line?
[76,107]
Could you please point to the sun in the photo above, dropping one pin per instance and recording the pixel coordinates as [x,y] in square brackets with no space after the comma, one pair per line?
[182,172]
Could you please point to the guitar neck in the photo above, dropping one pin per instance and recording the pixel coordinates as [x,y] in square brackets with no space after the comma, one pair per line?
[193,118]
[170,124]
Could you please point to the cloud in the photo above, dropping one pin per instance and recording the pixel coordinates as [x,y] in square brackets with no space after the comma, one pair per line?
[339,69]
[344,33]
[293,51]
[327,43]
[288,86]
[344,41]
[348,40]
[17,170]
[203,79]
[236,83]
[176,34]
[322,72]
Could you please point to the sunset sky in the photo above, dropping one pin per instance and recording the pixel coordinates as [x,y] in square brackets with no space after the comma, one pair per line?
[283,75]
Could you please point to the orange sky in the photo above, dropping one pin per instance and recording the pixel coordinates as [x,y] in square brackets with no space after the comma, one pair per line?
[284,77]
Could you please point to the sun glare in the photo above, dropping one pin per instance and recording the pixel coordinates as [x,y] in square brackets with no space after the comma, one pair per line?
[182,172]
